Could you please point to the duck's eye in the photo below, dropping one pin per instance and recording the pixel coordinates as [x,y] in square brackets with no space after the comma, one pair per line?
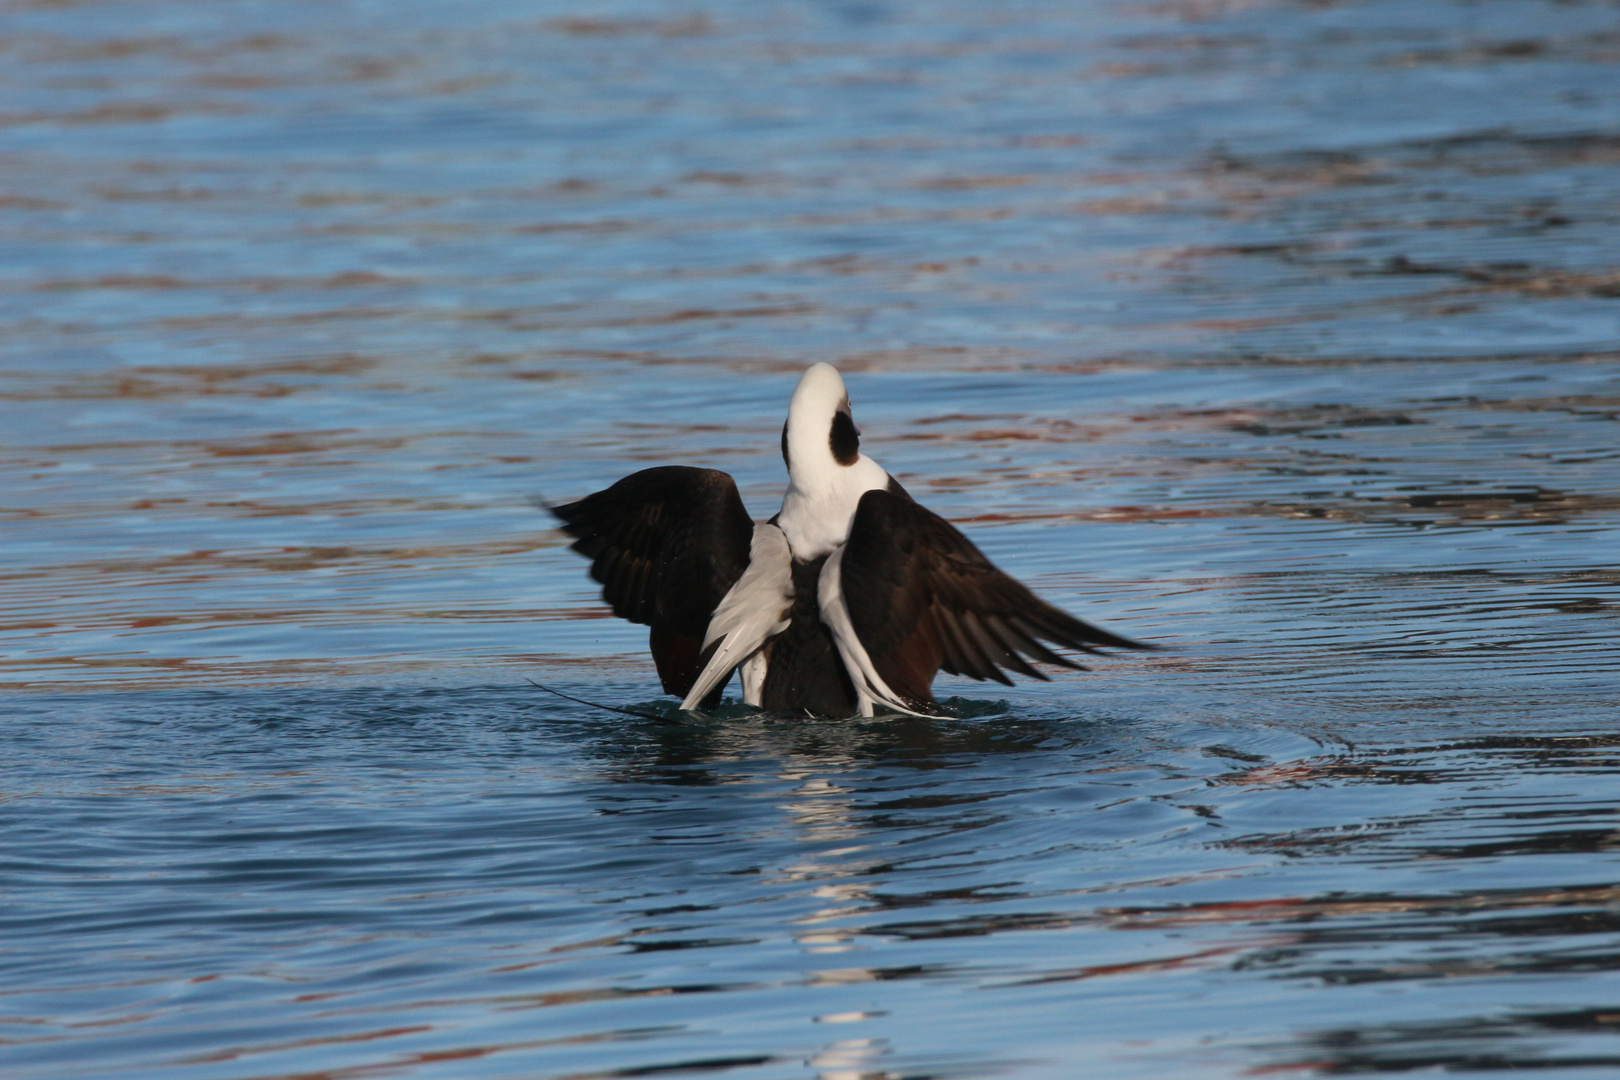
[844,439]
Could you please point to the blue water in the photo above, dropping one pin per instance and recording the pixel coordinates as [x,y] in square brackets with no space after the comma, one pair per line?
[1285,335]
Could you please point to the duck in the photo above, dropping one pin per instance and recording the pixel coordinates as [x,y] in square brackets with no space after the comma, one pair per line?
[849,600]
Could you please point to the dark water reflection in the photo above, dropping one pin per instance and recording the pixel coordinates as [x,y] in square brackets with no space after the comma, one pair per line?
[260,883]
[1284,334]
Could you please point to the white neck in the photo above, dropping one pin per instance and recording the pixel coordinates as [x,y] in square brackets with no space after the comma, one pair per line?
[822,493]
[815,516]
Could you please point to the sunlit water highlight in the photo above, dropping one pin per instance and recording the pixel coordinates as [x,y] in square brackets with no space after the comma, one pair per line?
[1284,334]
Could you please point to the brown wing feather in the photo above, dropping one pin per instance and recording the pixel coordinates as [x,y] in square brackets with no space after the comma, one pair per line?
[923,598]
[666,544]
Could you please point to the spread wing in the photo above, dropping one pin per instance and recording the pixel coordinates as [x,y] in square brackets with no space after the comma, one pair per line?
[666,544]
[921,598]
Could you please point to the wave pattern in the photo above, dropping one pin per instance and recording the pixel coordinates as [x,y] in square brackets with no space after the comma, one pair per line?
[1279,333]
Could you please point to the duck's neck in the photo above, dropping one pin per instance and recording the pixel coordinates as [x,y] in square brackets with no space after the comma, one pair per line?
[817,509]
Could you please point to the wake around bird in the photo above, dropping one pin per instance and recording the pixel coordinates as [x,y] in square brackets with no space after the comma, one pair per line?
[852,598]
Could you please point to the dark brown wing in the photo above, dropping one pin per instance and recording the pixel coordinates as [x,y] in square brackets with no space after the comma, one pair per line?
[923,598]
[666,544]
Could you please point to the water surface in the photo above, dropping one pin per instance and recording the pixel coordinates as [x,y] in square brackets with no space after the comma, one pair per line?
[1284,334]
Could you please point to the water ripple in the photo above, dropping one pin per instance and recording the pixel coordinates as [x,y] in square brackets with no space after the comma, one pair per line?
[1279,334]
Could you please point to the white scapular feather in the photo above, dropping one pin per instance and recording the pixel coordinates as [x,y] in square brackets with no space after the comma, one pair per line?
[752,612]
[753,672]
[870,688]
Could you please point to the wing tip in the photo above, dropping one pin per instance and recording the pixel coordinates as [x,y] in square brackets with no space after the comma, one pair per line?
[1119,642]
[1122,642]
[1075,633]
[566,514]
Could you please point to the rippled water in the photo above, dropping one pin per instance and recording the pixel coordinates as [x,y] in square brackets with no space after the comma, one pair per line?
[1285,334]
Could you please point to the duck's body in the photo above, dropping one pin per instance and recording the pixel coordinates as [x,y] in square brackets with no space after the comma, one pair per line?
[803,670]
[852,597]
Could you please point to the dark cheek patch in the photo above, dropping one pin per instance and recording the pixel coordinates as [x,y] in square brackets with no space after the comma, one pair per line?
[785,460]
[845,440]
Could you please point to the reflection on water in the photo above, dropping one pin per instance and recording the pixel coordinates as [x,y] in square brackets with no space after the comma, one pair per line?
[402,880]
[1280,333]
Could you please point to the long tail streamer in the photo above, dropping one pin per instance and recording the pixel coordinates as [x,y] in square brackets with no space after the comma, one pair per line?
[597,705]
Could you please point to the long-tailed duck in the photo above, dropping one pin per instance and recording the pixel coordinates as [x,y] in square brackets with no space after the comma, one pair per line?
[851,598]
